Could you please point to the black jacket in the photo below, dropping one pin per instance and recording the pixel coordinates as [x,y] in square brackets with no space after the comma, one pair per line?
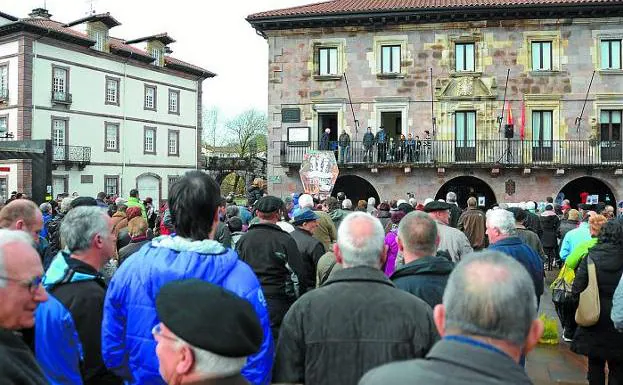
[600,340]
[425,278]
[267,249]
[54,240]
[17,363]
[253,194]
[223,235]
[566,226]
[311,250]
[549,224]
[532,222]
[356,321]
[131,248]
[455,214]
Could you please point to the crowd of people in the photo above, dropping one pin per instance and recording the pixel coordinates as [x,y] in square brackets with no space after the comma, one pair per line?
[207,290]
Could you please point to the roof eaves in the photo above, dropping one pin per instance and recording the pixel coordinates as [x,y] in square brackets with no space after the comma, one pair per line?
[163,37]
[22,25]
[190,69]
[103,17]
[9,17]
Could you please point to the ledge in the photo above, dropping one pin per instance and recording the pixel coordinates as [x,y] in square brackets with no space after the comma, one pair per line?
[324,78]
[610,72]
[390,76]
[544,73]
[458,74]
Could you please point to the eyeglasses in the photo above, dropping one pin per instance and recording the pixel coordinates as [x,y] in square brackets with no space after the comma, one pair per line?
[157,331]
[32,284]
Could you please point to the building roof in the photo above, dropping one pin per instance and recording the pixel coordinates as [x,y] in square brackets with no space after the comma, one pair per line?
[102,17]
[162,37]
[7,16]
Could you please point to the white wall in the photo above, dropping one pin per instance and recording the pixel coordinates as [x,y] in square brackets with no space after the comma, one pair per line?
[7,49]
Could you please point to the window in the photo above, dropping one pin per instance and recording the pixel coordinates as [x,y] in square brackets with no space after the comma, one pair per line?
[100,40]
[4,188]
[150,97]
[174,142]
[464,55]
[149,140]
[4,81]
[59,132]
[112,91]
[174,102]
[541,55]
[4,124]
[610,125]
[156,53]
[111,184]
[390,59]
[465,129]
[542,128]
[60,84]
[112,137]
[611,54]
[327,61]
[173,179]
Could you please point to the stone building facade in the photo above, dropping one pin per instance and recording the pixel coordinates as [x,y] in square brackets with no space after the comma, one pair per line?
[450,70]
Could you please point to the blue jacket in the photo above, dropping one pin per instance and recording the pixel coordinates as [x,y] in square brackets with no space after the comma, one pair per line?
[527,256]
[44,230]
[128,347]
[573,238]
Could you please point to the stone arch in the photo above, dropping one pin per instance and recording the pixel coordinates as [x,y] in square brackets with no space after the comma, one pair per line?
[591,185]
[355,188]
[242,182]
[465,186]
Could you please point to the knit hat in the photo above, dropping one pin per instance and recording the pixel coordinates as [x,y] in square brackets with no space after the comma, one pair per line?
[133,212]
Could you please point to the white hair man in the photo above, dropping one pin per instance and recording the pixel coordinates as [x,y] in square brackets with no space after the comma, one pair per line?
[357,320]
[347,204]
[72,318]
[453,244]
[325,232]
[502,237]
[455,211]
[20,294]
[371,209]
[488,319]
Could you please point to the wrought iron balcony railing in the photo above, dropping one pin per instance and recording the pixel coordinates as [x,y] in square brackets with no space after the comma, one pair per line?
[479,153]
[61,97]
[4,94]
[71,154]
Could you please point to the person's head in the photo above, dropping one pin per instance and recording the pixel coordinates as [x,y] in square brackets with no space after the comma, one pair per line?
[268,209]
[402,136]
[20,280]
[327,130]
[417,236]
[573,215]
[46,208]
[490,295]
[86,232]
[122,208]
[518,213]
[306,201]
[234,224]
[439,211]
[341,196]
[413,202]
[134,193]
[410,136]
[608,212]
[405,207]
[22,214]
[362,205]
[101,195]
[595,224]
[360,241]
[137,227]
[133,212]
[347,204]
[66,204]
[500,224]
[289,202]
[232,211]
[451,197]
[472,202]
[549,200]
[372,201]
[384,206]
[193,205]
[611,232]
[200,343]
[549,207]
[258,182]
[369,129]
[306,219]
[530,206]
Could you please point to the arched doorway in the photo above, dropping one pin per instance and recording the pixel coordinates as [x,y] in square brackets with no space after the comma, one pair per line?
[590,185]
[149,185]
[233,182]
[465,187]
[355,188]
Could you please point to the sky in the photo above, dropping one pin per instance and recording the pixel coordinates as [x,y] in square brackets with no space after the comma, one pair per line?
[212,34]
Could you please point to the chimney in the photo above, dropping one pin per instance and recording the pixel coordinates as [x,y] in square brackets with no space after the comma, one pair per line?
[40,13]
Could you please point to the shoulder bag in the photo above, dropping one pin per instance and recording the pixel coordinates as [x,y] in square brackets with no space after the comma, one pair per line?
[589,308]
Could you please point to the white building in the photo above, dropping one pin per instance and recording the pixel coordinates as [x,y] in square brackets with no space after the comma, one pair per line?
[120,114]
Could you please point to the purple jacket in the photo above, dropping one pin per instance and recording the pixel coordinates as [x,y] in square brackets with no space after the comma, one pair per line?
[392,252]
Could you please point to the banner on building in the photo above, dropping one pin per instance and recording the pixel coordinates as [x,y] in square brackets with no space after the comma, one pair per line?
[319,172]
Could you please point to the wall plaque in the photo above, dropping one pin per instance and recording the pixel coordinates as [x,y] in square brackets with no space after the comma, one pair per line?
[290,115]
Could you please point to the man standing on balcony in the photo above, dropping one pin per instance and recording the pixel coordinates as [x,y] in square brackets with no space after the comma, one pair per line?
[381,146]
[324,140]
[368,142]
[427,147]
[344,143]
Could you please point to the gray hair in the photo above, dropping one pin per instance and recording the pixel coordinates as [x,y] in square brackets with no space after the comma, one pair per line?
[81,224]
[361,240]
[413,202]
[503,220]
[306,200]
[211,364]
[489,294]
[347,204]
[11,236]
[418,232]
[66,204]
[371,201]
[45,207]
[451,197]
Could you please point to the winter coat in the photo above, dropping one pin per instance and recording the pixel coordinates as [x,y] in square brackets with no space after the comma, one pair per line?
[426,278]
[135,202]
[119,221]
[235,237]
[368,140]
[135,245]
[573,239]
[381,137]
[326,231]
[44,230]
[356,321]
[166,224]
[617,307]
[385,217]
[532,222]
[473,224]
[17,363]
[73,320]
[254,193]
[338,215]
[128,347]
[566,226]
[223,235]
[549,223]
[344,140]
[324,142]
[527,256]
[392,252]
[530,238]
[455,214]
[579,252]
[601,340]
[453,241]
[326,267]
[310,250]
[54,240]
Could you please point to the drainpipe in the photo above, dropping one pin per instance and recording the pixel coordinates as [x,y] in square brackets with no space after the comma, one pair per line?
[123,125]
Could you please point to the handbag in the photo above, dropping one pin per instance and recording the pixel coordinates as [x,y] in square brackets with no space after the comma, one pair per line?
[561,288]
[588,310]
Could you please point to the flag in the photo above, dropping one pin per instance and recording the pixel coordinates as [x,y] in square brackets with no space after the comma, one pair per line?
[509,116]
[522,127]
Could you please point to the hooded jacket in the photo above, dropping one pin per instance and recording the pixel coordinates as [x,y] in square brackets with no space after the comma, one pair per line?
[135,202]
[338,215]
[54,239]
[392,251]
[128,347]
[426,278]
[549,224]
[573,239]
[72,318]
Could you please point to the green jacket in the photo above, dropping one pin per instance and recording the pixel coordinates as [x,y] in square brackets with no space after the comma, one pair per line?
[135,202]
[573,260]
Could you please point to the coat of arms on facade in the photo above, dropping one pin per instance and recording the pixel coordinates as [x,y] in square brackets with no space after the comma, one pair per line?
[465,86]
[509,187]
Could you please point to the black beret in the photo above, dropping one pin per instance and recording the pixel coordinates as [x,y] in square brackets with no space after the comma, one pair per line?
[210,318]
[83,201]
[436,206]
[268,204]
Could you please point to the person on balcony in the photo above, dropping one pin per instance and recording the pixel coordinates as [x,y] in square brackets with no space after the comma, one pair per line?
[401,148]
[410,145]
[344,142]
[324,140]
[427,147]
[368,143]
[381,144]
[418,148]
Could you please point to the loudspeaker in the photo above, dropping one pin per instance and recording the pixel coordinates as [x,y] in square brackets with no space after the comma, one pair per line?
[509,131]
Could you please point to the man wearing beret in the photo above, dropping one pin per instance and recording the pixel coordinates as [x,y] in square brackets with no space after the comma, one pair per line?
[452,242]
[129,307]
[305,222]
[209,342]
[274,257]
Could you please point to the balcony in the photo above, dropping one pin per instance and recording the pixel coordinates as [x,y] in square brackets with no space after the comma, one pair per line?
[470,153]
[4,95]
[61,97]
[70,156]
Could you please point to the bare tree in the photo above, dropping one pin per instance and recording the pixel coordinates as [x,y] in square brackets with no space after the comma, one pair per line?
[210,127]
[245,129]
